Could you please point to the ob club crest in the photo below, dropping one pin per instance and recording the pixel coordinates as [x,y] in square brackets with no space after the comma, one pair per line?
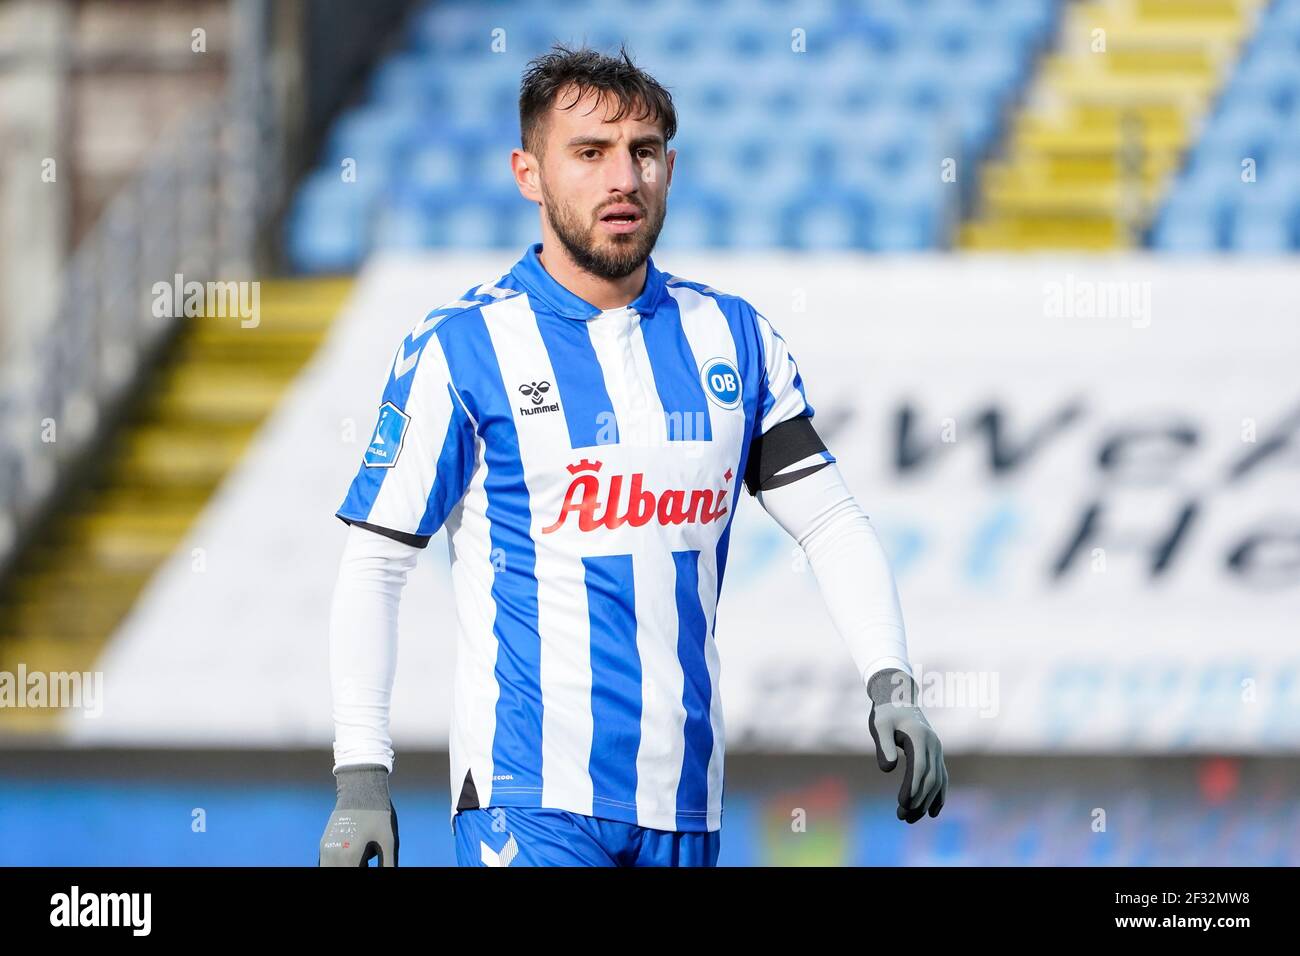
[721,382]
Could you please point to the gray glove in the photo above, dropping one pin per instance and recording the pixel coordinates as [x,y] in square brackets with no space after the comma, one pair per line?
[364,823]
[896,721]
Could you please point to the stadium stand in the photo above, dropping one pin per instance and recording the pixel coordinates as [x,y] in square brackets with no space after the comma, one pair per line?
[841,148]
[185,431]
[151,412]
[1240,188]
[1106,123]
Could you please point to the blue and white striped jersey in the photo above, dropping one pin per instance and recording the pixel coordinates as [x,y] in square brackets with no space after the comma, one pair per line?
[586,465]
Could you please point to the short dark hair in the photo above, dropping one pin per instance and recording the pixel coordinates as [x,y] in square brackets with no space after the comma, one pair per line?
[586,70]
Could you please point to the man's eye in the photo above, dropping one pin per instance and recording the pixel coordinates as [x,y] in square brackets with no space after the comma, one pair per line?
[588,153]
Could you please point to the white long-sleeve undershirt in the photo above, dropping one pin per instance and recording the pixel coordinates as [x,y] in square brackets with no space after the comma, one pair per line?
[817,510]
[363,644]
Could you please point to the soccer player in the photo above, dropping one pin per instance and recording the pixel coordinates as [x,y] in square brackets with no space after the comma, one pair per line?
[581,426]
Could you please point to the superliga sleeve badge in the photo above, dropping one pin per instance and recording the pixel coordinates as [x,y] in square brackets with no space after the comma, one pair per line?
[386,444]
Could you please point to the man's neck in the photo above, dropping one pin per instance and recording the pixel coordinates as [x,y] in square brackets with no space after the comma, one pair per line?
[600,292]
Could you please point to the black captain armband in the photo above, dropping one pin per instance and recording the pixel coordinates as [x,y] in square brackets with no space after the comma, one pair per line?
[791,441]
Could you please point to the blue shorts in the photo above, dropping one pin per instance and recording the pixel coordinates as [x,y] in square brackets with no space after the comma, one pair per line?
[538,836]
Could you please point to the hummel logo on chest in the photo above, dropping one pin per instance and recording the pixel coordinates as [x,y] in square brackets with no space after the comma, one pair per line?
[537,392]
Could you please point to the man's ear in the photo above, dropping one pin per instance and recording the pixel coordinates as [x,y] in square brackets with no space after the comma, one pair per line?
[525,168]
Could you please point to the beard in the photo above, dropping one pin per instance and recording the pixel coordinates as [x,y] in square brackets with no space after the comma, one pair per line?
[611,256]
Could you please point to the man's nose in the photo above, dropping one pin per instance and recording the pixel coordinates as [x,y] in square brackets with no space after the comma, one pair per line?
[625,173]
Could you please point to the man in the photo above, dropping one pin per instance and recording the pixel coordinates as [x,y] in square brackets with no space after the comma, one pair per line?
[581,426]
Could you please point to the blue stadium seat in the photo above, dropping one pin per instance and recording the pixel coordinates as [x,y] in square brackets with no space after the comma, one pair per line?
[906,225]
[825,219]
[325,230]
[698,220]
[1188,227]
[1262,229]
[404,222]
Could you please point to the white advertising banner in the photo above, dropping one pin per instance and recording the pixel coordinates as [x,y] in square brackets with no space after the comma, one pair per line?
[1085,471]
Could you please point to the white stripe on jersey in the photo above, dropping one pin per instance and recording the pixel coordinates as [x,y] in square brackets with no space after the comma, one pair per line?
[787,401]
[650,425]
[561,590]
[635,408]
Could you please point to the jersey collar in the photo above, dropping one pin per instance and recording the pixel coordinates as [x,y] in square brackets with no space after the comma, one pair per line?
[539,284]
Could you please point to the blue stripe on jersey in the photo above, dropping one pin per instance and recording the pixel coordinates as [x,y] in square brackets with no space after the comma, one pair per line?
[677,375]
[615,679]
[364,490]
[586,407]
[517,744]
[362,494]
[455,467]
[765,388]
[697,689]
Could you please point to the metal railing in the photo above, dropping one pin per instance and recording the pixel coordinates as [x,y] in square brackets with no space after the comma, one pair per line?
[194,209]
